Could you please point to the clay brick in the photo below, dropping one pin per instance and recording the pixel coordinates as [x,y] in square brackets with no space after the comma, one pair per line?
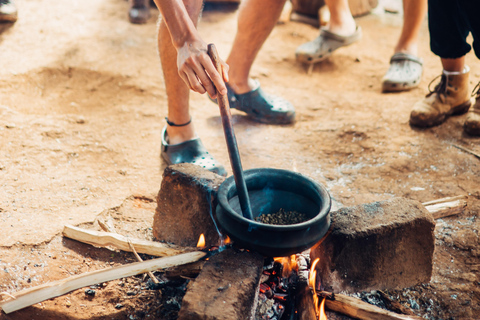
[226,288]
[381,245]
[184,205]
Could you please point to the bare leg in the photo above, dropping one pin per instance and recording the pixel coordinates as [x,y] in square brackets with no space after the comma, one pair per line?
[341,19]
[454,65]
[177,90]
[256,20]
[343,27]
[414,12]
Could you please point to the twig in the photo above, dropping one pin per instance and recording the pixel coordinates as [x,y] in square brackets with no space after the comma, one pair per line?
[50,290]
[442,200]
[445,207]
[150,274]
[467,150]
[394,305]
[104,239]
[358,309]
[7,294]
[108,226]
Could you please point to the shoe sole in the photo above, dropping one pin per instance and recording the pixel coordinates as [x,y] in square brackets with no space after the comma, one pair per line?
[8,18]
[307,59]
[460,109]
[398,87]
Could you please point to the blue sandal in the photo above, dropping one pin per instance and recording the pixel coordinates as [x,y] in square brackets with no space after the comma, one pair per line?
[191,151]
[261,106]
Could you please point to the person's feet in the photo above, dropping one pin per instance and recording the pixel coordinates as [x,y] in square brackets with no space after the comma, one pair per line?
[325,44]
[404,73]
[179,134]
[451,96]
[344,27]
[260,106]
[139,11]
[8,11]
[472,122]
[188,151]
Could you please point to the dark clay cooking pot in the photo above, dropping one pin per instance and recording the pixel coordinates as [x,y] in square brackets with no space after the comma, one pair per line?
[269,191]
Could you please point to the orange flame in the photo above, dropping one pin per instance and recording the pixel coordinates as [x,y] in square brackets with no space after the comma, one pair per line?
[313,275]
[315,303]
[293,262]
[319,310]
[227,240]
[201,241]
[323,315]
[289,264]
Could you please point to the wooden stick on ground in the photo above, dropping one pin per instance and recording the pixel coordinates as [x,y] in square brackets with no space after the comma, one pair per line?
[394,305]
[50,290]
[467,150]
[110,228]
[356,308]
[104,239]
[446,206]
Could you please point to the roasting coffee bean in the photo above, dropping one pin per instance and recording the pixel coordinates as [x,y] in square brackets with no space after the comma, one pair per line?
[282,217]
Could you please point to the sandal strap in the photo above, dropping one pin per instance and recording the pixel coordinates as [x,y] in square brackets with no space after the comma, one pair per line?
[344,40]
[170,123]
[191,151]
[400,56]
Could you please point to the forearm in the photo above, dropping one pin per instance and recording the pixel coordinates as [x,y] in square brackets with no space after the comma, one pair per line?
[178,21]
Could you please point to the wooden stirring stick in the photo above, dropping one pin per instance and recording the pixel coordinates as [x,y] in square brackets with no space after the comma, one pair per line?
[231,140]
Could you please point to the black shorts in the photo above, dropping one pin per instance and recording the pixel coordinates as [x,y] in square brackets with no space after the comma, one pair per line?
[450,22]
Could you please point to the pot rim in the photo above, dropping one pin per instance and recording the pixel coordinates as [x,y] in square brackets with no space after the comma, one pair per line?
[319,188]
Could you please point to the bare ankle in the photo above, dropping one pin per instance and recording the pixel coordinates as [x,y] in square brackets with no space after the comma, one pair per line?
[346,27]
[240,87]
[407,48]
[178,135]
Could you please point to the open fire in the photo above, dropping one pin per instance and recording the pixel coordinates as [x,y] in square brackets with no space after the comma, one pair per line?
[279,291]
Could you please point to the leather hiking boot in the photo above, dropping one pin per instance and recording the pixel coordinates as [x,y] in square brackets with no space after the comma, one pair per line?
[8,11]
[139,11]
[450,97]
[472,122]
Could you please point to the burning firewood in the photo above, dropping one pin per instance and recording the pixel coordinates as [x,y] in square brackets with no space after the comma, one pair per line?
[305,302]
[358,309]
[50,290]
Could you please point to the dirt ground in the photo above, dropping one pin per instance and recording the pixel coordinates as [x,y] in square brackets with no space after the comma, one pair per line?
[82,103]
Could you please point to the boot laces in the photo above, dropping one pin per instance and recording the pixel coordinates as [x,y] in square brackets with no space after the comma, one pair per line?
[440,88]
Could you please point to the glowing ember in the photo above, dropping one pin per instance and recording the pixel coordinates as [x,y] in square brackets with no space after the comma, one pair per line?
[289,264]
[201,241]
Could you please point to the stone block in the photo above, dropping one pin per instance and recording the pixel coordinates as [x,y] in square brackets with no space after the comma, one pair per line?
[381,245]
[226,288]
[185,205]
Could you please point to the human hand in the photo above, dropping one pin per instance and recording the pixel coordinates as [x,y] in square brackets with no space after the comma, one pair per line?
[197,70]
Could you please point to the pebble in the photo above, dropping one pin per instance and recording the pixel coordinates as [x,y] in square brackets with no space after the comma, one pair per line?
[90,292]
